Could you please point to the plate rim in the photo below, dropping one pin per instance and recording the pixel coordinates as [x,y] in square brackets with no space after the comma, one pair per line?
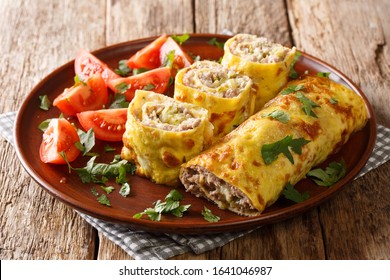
[174,227]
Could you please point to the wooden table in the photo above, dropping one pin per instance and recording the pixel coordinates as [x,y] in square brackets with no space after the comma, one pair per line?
[39,36]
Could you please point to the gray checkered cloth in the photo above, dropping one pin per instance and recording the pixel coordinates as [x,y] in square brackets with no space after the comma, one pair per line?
[145,245]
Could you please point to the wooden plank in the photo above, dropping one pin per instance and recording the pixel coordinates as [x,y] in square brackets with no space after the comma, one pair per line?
[37,37]
[353,39]
[128,20]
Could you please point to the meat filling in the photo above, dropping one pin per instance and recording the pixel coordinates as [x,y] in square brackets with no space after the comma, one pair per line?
[201,182]
[258,49]
[169,117]
[218,80]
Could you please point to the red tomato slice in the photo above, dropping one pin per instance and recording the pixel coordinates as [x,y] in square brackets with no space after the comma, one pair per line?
[156,80]
[182,59]
[107,124]
[60,136]
[86,65]
[149,56]
[91,95]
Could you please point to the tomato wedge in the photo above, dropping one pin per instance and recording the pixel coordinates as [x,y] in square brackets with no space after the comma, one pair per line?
[107,124]
[60,136]
[83,96]
[86,65]
[156,80]
[149,56]
[181,60]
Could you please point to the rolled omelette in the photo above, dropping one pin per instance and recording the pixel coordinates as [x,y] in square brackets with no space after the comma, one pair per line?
[267,63]
[162,133]
[248,169]
[226,94]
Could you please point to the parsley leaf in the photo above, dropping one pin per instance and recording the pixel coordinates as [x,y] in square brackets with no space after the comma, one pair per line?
[44,125]
[87,140]
[169,59]
[119,101]
[171,205]
[308,104]
[215,42]
[122,87]
[107,189]
[292,88]
[270,152]
[149,87]
[104,200]
[279,115]
[332,174]
[180,39]
[291,193]
[323,74]
[209,216]
[137,71]
[293,73]
[123,69]
[45,102]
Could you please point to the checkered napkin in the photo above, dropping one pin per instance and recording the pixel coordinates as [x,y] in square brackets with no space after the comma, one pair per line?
[145,245]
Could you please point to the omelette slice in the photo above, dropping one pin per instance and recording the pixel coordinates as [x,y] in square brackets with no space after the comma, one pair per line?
[162,133]
[247,170]
[226,94]
[267,63]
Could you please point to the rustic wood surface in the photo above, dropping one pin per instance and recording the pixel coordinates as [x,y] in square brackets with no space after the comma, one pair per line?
[38,36]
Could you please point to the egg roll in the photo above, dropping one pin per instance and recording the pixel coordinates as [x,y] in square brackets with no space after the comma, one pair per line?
[163,133]
[267,63]
[248,169]
[226,94]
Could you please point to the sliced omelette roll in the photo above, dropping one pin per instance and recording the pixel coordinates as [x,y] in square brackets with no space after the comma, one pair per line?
[162,133]
[247,170]
[267,63]
[226,94]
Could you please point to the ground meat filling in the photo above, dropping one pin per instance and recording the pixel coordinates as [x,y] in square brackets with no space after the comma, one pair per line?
[219,191]
[215,79]
[258,49]
[168,116]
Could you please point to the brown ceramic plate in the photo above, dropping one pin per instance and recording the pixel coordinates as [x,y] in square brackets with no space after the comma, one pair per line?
[144,193]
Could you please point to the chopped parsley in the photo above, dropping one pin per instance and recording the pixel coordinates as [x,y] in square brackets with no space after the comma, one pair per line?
[308,104]
[209,216]
[323,74]
[104,200]
[171,205]
[215,42]
[331,175]
[119,101]
[180,39]
[279,115]
[122,87]
[293,73]
[123,69]
[292,194]
[45,102]
[149,87]
[107,189]
[270,152]
[292,88]
[137,71]
[169,59]
[87,141]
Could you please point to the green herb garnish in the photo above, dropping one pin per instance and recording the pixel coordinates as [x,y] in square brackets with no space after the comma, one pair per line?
[87,141]
[308,105]
[215,42]
[209,216]
[108,148]
[171,205]
[122,87]
[78,81]
[279,115]
[104,200]
[44,125]
[137,71]
[119,101]
[333,100]
[180,39]
[328,177]
[123,69]
[108,189]
[323,74]
[293,73]
[149,87]
[270,152]
[291,193]
[45,102]
[292,88]
[169,59]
